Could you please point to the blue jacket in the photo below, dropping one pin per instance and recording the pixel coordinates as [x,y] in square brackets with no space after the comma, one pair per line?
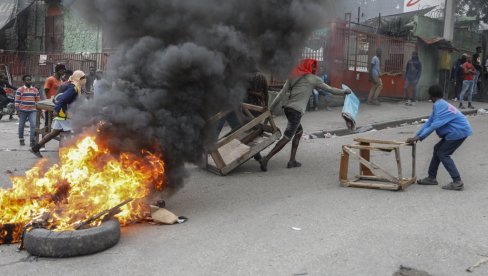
[447,121]
[64,99]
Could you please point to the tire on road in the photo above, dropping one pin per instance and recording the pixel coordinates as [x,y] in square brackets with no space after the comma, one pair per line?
[47,243]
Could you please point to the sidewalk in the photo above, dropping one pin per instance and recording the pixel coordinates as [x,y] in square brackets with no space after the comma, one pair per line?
[318,122]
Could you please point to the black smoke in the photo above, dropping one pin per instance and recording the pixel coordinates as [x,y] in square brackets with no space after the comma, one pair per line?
[178,62]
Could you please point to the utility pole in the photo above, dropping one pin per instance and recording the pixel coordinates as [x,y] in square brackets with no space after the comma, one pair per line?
[449,20]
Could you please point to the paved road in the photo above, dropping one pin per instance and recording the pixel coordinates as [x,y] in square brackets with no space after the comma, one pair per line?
[243,224]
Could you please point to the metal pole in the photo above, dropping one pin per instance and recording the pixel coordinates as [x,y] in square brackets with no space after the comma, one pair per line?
[359,15]
[449,20]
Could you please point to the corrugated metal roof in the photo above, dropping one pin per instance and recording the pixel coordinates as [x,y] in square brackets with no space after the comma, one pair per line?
[439,42]
[8,10]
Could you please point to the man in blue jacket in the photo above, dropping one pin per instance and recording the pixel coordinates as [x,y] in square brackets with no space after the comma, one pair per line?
[453,128]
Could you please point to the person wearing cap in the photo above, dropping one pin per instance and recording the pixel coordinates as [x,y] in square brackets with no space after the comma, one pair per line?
[61,103]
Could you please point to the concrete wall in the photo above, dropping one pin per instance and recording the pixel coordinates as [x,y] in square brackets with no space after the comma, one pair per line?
[79,35]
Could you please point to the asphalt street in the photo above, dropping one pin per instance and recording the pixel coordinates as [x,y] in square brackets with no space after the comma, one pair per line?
[296,221]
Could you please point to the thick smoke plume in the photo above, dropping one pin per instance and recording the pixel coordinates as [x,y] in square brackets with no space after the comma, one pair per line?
[181,61]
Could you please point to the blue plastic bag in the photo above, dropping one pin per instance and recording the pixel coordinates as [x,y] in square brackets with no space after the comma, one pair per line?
[350,109]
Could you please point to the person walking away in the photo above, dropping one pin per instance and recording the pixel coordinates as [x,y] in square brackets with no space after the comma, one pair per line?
[453,128]
[294,97]
[469,72]
[317,92]
[63,100]
[412,77]
[375,78]
[477,62]
[26,98]
[459,75]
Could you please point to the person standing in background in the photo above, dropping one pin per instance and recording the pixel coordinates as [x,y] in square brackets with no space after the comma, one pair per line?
[477,62]
[26,98]
[412,77]
[445,64]
[51,86]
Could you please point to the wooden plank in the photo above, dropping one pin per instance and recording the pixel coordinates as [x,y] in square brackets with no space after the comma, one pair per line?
[243,129]
[377,148]
[219,161]
[408,182]
[374,178]
[391,187]
[377,141]
[371,166]
[38,125]
[45,105]
[257,108]
[399,163]
[344,169]
[414,150]
[366,155]
[273,125]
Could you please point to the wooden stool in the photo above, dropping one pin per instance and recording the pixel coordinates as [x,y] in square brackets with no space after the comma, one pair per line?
[371,175]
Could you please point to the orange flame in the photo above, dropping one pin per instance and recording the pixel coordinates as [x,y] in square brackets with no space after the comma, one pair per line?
[88,180]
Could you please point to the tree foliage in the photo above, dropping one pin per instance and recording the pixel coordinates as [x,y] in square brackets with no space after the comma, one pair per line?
[478,8]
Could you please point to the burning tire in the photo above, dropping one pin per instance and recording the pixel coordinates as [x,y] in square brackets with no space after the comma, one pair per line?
[46,243]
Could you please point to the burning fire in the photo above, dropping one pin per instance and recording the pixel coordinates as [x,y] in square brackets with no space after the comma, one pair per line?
[88,180]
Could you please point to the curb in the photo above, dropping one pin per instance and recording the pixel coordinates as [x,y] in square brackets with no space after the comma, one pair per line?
[376,126]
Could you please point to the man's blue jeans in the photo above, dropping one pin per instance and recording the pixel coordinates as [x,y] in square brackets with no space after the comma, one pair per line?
[23,117]
[317,93]
[475,82]
[442,154]
[412,83]
[467,88]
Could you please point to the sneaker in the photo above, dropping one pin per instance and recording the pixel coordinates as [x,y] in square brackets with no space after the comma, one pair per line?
[328,108]
[413,103]
[470,106]
[461,106]
[376,102]
[454,186]
[427,181]
[293,164]
[22,142]
[35,150]
[409,103]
